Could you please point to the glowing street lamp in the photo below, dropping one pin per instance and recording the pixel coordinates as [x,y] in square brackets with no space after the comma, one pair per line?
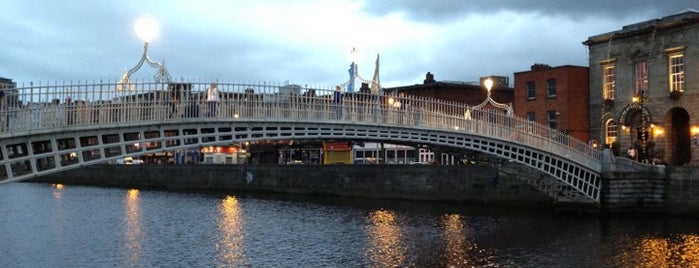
[147,30]
[488,83]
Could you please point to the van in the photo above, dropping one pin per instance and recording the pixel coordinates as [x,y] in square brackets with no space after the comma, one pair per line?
[368,161]
[129,161]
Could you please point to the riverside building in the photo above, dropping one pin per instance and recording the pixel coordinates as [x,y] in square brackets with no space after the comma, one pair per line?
[644,88]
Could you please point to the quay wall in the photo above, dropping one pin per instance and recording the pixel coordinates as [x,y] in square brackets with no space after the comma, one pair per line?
[653,189]
[630,187]
[481,184]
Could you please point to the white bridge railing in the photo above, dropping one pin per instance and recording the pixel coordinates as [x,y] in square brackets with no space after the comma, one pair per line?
[57,107]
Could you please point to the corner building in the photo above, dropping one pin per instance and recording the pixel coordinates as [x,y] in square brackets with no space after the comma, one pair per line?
[644,88]
[554,96]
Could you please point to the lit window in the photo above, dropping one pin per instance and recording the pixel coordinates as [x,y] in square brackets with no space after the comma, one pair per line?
[608,82]
[531,90]
[553,115]
[551,87]
[677,72]
[610,132]
[641,78]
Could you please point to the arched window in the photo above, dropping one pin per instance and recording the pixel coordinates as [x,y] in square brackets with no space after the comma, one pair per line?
[610,131]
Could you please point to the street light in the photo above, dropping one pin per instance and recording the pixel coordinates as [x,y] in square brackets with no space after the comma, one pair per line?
[147,30]
[488,83]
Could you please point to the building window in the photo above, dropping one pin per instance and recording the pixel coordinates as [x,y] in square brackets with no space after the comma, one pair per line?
[553,115]
[610,132]
[531,116]
[641,78]
[531,90]
[608,82]
[677,72]
[551,87]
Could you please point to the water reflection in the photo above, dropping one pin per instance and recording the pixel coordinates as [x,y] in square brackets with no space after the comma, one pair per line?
[57,192]
[459,251]
[230,247]
[456,242]
[133,228]
[386,248]
[682,251]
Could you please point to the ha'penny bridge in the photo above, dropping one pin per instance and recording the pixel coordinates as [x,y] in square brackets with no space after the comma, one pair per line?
[48,128]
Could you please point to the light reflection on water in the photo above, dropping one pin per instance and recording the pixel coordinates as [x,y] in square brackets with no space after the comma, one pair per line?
[132,232]
[386,239]
[231,244]
[72,226]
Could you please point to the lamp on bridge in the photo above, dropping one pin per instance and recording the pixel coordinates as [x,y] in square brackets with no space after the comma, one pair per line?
[488,83]
[147,30]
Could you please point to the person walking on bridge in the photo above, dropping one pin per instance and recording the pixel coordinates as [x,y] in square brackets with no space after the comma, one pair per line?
[212,98]
[337,102]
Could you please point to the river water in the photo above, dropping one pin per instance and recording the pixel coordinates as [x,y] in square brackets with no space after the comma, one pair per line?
[44,225]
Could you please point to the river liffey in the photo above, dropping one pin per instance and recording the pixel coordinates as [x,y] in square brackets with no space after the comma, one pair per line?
[45,225]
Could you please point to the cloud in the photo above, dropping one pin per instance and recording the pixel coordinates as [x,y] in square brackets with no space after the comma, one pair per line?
[308,41]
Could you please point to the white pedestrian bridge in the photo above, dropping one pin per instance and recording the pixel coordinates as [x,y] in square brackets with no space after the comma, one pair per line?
[47,128]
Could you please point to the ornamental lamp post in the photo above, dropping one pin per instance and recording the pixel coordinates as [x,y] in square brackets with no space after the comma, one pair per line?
[640,101]
[147,30]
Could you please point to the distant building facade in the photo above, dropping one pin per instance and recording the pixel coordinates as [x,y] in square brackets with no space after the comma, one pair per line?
[461,92]
[644,88]
[554,96]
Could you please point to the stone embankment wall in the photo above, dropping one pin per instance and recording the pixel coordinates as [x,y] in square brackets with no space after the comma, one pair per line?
[628,186]
[481,184]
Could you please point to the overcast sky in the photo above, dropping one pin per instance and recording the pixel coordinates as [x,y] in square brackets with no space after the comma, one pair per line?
[308,42]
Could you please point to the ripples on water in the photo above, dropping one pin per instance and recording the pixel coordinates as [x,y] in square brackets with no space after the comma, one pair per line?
[72,226]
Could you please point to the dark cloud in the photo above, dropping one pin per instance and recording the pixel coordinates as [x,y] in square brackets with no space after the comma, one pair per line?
[443,10]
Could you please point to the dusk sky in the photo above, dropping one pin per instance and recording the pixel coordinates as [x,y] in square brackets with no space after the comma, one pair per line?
[308,42]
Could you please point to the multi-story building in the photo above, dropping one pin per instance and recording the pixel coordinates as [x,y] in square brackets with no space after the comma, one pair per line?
[644,88]
[554,96]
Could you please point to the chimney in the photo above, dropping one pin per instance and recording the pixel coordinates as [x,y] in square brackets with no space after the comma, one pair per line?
[540,67]
[429,78]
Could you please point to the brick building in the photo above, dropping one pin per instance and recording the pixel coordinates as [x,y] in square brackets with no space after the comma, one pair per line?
[554,96]
[462,92]
[644,88]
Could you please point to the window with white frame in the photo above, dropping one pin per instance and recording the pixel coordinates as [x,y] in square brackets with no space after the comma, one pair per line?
[676,72]
[531,90]
[641,78]
[608,82]
[551,87]
[610,132]
[553,115]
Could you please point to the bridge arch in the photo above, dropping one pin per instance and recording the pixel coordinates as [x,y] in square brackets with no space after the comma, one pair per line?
[52,152]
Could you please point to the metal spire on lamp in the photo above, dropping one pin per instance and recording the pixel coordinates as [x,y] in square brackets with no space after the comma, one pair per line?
[146,29]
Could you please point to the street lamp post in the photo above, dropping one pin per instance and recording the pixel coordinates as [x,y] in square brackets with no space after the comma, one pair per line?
[147,30]
[640,101]
[488,83]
